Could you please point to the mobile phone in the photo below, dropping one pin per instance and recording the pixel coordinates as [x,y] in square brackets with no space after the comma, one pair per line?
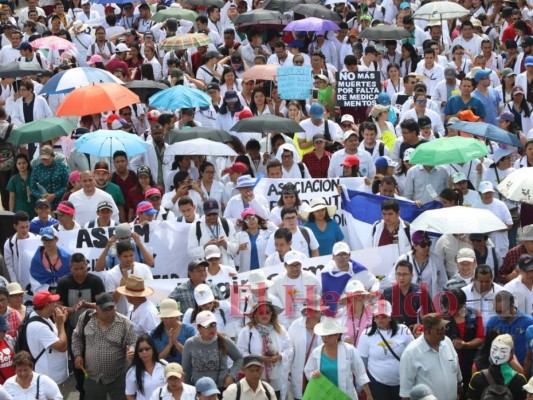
[315,94]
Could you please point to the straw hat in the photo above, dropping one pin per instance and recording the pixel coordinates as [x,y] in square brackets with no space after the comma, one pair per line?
[329,326]
[169,308]
[315,205]
[14,288]
[135,287]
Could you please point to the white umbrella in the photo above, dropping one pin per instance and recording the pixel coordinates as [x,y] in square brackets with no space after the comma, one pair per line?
[518,185]
[202,147]
[458,220]
[440,10]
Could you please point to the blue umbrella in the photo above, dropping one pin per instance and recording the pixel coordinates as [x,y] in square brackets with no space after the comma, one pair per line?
[67,81]
[103,143]
[488,131]
[178,97]
[311,24]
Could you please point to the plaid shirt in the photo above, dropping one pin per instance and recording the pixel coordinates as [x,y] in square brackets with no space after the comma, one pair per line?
[184,295]
[510,262]
[318,168]
[105,355]
[14,320]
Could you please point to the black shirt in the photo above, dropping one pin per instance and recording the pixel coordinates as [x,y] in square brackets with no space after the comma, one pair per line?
[27,109]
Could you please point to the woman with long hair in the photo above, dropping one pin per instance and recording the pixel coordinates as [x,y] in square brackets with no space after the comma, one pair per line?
[379,115]
[451,198]
[409,60]
[394,83]
[522,30]
[147,372]
[351,167]
[144,182]
[265,336]
[134,60]
[461,65]
[170,335]
[253,238]
[405,166]
[210,70]
[521,109]
[339,362]
[320,220]
[260,104]
[229,81]
[505,90]
[211,187]
[207,353]
[18,186]
[289,198]
[150,57]
[381,346]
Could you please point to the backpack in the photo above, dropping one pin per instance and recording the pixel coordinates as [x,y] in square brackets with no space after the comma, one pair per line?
[307,238]
[239,389]
[22,342]
[93,47]
[225,226]
[494,391]
[7,151]
[302,169]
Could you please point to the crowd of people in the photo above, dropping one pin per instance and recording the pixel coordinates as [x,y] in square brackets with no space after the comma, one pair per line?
[452,319]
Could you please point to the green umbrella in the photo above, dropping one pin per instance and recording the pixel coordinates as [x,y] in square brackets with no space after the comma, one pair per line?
[174,12]
[41,131]
[448,151]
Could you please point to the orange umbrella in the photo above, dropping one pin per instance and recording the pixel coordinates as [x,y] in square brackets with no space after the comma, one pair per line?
[268,72]
[96,98]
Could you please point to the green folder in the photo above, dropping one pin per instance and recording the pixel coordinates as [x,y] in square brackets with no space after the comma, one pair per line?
[322,388]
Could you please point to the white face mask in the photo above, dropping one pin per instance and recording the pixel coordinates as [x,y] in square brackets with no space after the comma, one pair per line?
[500,353]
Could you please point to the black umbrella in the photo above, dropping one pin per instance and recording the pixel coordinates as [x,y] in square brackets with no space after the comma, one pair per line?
[267,123]
[145,89]
[259,15]
[285,5]
[317,11]
[217,135]
[17,69]
[384,32]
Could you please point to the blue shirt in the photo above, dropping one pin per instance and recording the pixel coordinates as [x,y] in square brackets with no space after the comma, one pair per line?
[529,344]
[36,224]
[517,329]
[491,104]
[111,261]
[254,254]
[328,368]
[456,104]
[174,355]
[328,238]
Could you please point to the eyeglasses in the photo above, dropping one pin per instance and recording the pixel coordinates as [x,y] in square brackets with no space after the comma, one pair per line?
[289,218]
[298,62]
[144,349]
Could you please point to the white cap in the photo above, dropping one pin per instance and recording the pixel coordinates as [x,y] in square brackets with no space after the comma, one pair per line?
[390,162]
[121,47]
[407,154]
[203,294]
[465,254]
[205,318]
[349,133]
[83,2]
[458,177]
[340,247]
[347,118]
[212,251]
[292,257]
[355,286]
[485,187]
[382,307]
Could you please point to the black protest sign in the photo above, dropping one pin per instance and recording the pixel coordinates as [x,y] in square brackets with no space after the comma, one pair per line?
[358,89]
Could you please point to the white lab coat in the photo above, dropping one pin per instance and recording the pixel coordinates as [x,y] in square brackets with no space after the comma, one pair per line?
[41,110]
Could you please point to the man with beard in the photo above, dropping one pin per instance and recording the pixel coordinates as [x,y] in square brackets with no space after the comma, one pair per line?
[102,176]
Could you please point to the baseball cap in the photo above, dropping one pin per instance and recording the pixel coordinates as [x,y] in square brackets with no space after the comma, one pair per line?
[246,212]
[42,298]
[468,115]
[231,96]
[101,166]
[197,263]
[74,177]
[384,162]
[459,177]
[528,41]
[104,204]
[424,122]
[321,77]
[143,170]
[48,232]
[485,73]
[351,161]
[105,300]
[518,89]
[434,321]
[212,251]
[46,152]
[450,72]
[485,187]
[119,123]
[508,72]
[349,133]
[292,257]
[173,369]
[419,237]
[318,137]
[205,318]
[506,116]
[146,207]
[404,5]
[465,254]
[213,86]
[289,188]
[238,167]
[250,360]
[317,111]
[340,247]
[41,203]
[407,154]
[206,386]
[153,115]
[452,120]
[211,207]
[422,392]
[152,192]
[245,113]
[111,118]
[525,262]
[382,307]
[383,99]
[96,58]
[131,31]
[25,46]
[347,118]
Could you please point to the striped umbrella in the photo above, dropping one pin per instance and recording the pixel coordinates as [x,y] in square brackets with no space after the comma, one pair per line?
[185,41]
[68,80]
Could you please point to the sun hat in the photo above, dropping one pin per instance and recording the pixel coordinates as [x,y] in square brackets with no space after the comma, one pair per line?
[329,326]
[14,288]
[169,308]
[135,287]
[318,204]
[257,278]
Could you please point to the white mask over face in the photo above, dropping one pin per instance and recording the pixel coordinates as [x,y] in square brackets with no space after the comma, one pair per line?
[500,353]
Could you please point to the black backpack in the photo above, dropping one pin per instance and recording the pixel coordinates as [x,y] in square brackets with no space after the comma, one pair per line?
[223,221]
[22,342]
[239,389]
[494,391]
[7,151]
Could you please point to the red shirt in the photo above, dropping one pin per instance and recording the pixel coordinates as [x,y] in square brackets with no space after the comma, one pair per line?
[318,168]
[6,361]
[115,63]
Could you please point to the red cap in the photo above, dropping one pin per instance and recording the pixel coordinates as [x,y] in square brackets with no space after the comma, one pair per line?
[245,113]
[351,161]
[40,299]
[111,118]
[151,192]
[237,167]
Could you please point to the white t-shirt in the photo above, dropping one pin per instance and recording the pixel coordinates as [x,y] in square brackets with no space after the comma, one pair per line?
[225,274]
[48,389]
[112,282]
[311,130]
[144,318]
[189,393]
[151,383]
[298,242]
[52,363]
[86,205]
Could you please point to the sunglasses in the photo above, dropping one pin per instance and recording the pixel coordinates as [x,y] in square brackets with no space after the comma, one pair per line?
[425,244]
[210,326]
[249,218]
